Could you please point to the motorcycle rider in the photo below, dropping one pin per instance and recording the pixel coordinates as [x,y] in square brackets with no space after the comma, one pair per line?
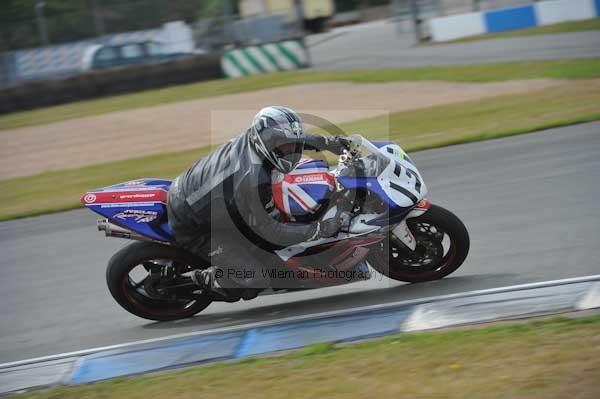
[221,209]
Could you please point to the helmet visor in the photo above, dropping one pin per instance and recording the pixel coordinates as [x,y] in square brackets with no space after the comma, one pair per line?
[290,152]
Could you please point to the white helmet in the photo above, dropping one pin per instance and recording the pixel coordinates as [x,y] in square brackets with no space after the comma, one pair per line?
[278,136]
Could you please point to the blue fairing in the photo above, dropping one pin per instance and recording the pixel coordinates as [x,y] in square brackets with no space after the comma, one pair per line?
[394,212]
[309,164]
[148,216]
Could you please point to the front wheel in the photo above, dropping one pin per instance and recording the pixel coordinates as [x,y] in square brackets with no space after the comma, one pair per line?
[442,246]
[152,281]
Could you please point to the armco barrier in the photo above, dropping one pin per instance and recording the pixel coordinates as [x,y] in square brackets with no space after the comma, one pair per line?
[295,332]
[506,19]
[271,57]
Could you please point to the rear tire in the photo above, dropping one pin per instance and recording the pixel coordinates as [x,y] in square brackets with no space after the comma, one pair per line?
[394,260]
[134,299]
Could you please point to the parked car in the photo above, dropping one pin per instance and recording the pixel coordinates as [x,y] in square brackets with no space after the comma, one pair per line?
[114,55]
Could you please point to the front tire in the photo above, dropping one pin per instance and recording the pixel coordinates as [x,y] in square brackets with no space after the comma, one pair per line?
[164,293]
[442,246]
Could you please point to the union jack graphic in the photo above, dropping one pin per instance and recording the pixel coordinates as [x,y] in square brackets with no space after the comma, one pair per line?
[303,190]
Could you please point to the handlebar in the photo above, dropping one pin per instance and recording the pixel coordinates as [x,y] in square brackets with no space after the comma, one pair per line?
[372,160]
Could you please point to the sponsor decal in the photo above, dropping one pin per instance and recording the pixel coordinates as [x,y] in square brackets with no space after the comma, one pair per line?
[137,196]
[89,198]
[309,178]
[131,196]
[139,215]
[135,183]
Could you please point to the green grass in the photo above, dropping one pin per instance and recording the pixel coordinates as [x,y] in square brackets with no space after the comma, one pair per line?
[60,190]
[564,27]
[414,130]
[567,69]
[556,358]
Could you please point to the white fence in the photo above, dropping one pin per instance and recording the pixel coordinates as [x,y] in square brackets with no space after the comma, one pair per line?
[505,19]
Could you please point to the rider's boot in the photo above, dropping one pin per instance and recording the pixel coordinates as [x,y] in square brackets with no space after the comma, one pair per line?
[207,281]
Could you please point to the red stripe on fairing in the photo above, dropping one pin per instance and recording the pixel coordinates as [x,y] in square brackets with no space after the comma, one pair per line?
[330,179]
[300,201]
[277,192]
[109,197]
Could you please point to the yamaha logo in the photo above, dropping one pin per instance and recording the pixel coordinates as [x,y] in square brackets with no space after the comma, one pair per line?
[309,178]
[89,198]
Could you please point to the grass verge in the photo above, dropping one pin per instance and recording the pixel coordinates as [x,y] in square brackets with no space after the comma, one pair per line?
[556,358]
[564,27]
[414,130]
[567,69]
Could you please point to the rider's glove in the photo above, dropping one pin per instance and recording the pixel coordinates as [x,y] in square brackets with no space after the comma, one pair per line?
[337,144]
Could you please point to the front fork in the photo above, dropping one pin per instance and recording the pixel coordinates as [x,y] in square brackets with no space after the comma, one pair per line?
[402,232]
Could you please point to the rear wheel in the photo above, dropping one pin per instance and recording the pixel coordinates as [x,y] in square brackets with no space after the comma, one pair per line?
[152,281]
[442,246]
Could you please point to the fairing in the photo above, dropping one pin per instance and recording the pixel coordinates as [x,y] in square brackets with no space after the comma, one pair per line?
[301,193]
[138,205]
[387,172]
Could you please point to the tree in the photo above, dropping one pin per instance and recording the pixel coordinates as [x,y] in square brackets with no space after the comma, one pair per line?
[72,20]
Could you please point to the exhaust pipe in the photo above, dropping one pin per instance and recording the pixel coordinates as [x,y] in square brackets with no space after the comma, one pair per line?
[112,230]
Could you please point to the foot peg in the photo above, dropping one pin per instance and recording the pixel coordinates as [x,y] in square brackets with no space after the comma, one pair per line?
[205,279]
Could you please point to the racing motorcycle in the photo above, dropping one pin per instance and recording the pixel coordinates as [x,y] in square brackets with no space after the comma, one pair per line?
[375,190]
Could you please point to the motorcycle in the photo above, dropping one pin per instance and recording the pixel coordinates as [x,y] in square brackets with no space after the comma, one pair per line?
[375,190]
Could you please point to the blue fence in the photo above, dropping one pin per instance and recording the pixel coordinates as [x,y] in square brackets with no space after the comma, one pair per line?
[506,19]
[510,19]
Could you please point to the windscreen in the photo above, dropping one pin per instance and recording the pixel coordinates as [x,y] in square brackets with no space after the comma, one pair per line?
[372,161]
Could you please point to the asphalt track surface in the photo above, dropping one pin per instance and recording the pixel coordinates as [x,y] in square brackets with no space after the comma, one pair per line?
[379,45]
[529,202]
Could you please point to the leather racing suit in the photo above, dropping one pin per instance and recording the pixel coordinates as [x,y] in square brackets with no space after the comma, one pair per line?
[220,209]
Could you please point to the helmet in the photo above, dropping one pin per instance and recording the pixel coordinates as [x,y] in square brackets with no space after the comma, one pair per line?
[278,136]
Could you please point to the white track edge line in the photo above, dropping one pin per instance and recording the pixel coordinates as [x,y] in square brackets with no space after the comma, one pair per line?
[313,316]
